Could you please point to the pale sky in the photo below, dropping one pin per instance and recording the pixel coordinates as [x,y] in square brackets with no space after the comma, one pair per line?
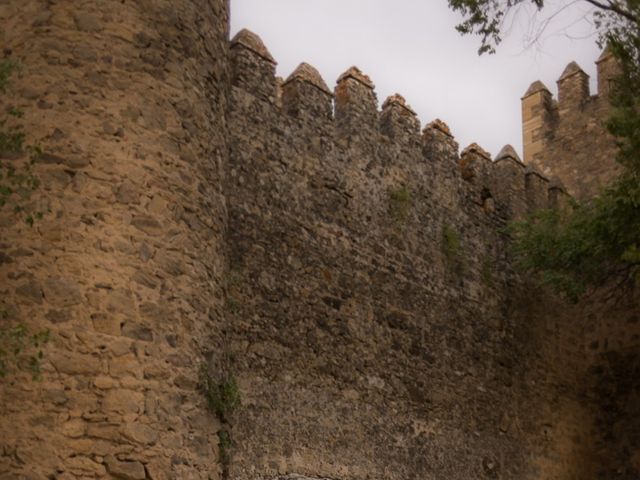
[411,47]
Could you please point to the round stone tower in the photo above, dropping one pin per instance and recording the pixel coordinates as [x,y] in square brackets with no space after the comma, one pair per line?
[112,236]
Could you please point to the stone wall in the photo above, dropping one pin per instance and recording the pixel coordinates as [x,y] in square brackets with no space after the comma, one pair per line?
[377,327]
[127,101]
[347,269]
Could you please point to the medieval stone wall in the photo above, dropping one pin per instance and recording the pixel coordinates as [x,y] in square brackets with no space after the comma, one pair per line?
[347,270]
[126,100]
[377,328]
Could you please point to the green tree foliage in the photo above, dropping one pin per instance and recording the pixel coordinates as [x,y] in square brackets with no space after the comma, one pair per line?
[593,243]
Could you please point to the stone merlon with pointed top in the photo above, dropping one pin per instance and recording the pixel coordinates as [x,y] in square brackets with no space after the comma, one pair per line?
[355,103]
[608,68]
[437,140]
[573,86]
[571,69]
[475,166]
[508,153]
[537,117]
[398,120]
[397,100]
[476,149]
[439,125]
[253,42]
[305,92]
[536,87]
[510,181]
[355,73]
[307,73]
[252,66]
[536,188]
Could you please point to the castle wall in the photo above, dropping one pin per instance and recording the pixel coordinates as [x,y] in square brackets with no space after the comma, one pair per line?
[124,269]
[376,326]
[347,269]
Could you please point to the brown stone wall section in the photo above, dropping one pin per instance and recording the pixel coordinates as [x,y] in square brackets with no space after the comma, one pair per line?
[126,100]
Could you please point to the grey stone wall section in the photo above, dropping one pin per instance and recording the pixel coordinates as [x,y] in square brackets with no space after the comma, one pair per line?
[370,327]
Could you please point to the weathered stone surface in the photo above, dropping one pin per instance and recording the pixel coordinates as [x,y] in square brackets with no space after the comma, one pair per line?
[129,470]
[128,193]
[87,22]
[137,332]
[139,433]
[147,224]
[84,466]
[31,291]
[123,401]
[75,364]
[369,219]
[62,292]
[74,428]
[106,323]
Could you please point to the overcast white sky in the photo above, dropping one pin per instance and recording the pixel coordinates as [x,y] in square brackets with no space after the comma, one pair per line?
[411,47]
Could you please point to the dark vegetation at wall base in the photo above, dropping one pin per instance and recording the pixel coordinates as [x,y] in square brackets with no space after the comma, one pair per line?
[223,398]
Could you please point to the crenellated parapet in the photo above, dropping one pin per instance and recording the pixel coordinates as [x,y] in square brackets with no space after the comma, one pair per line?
[349,117]
[504,185]
[567,137]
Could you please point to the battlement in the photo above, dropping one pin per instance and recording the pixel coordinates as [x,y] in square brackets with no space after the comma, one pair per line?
[566,137]
[350,116]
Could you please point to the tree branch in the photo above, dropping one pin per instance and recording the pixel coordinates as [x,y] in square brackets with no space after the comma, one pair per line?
[615,7]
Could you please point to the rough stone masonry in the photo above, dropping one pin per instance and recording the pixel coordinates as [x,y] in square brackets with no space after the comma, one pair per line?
[346,268]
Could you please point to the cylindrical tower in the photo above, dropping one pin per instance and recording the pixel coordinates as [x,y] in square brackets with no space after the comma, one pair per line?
[111,236]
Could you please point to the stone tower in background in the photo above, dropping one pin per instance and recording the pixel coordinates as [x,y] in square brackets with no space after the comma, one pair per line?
[566,138]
